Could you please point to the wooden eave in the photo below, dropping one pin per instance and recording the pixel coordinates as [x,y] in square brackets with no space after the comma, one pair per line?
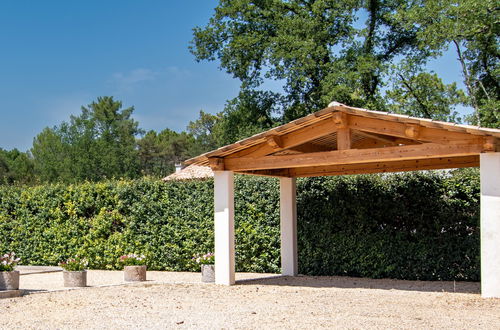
[346,140]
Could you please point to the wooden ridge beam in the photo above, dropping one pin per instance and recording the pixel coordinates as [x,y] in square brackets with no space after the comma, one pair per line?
[340,119]
[352,156]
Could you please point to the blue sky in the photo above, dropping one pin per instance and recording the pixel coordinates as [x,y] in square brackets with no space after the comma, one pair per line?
[59,55]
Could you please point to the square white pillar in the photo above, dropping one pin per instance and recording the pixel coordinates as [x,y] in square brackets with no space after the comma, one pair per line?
[224,227]
[288,226]
[490,224]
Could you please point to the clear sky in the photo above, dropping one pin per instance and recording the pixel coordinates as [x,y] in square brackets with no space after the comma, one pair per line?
[58,55]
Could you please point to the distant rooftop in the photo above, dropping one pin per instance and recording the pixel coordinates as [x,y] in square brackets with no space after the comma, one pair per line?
[191,172]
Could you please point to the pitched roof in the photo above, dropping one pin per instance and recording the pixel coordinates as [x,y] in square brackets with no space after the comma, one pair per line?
[329,141]
[342,140]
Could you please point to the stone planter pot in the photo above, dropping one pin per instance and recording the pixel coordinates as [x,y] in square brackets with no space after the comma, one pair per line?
[9,280]
[134,273]
[208,273]
[75,279]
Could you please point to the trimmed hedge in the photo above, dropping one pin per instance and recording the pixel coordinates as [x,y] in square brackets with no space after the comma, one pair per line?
[408,226]
[411,226]
[168,222]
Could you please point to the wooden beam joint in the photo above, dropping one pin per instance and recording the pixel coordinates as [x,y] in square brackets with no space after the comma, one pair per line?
[491,144]
[412,131]
[275,142]
[216,163]
[340,119]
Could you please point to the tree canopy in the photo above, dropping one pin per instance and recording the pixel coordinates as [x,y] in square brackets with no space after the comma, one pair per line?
[16,167]
[346,50]
[97,144]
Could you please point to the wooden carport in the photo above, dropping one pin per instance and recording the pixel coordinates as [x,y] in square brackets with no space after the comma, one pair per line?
[341,140]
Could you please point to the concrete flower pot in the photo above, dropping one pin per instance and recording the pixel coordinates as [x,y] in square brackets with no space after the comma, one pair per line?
[208,273]
[75,279]
[134,273]
[9,280]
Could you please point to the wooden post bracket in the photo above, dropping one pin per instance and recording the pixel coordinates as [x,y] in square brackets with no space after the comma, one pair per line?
[216,163]
[491,144]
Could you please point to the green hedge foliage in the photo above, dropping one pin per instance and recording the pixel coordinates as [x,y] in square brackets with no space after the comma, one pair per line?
[408,226]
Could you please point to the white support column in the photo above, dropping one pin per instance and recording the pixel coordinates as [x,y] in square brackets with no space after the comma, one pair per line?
[490,224]
[224,227]
[288,225]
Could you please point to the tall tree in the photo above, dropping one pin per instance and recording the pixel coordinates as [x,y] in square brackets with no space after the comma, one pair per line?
[16,167]
[97,144]
[344,50]
[50,155]
[251,112]
[159,152]
[319,49]
[423,94]
[471,28]
[204,131]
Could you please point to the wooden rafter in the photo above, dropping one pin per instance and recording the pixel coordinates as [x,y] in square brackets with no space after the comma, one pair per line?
[388,140]
[372,140]
[409,131]
[290,140]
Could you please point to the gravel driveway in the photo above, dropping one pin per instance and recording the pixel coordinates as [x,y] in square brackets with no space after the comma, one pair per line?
[180,301]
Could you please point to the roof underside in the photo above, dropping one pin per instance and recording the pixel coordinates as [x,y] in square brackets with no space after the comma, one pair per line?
[346,140]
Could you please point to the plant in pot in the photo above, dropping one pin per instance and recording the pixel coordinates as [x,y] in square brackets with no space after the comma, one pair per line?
[74,273]
[207,262]
[134,267]
[9,278]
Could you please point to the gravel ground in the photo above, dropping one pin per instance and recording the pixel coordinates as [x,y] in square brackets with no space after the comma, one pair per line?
[180,301]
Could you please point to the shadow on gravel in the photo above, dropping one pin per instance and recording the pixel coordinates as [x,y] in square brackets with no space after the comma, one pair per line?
[365,283]
[29,270]
[25,292]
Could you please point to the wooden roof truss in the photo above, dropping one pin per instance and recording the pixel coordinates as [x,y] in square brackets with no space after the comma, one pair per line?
[342,140]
